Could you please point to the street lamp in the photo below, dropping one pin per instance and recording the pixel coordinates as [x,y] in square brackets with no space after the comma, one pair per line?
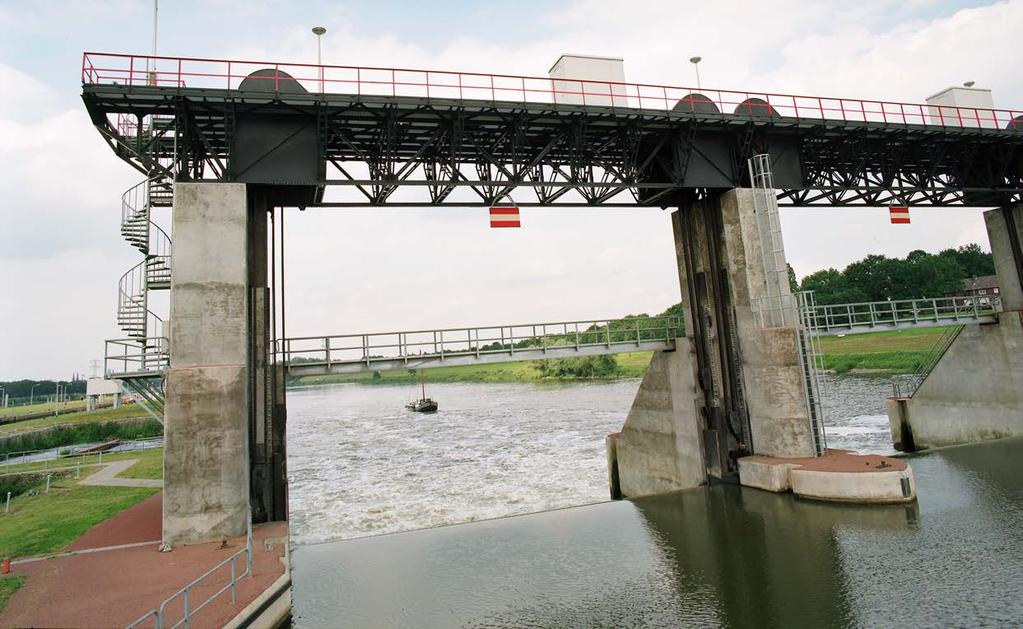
[319,31]
[32,393]
[968,84]
[696,65]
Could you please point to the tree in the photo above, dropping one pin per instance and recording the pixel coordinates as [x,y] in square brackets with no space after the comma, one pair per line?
[793,282]
[831,287]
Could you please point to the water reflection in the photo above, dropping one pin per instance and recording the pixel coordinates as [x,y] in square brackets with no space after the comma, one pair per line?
[716,556]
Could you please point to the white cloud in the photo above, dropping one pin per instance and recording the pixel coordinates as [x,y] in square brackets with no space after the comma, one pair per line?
[362,270]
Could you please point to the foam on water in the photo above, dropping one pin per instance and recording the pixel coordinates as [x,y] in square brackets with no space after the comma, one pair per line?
[359,464]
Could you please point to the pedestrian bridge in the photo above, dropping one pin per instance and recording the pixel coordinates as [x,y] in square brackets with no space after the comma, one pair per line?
[858,318]
[448,347]
[420,349]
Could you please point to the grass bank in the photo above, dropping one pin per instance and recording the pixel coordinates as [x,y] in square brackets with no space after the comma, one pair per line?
[891,351]
[42,407]
[8,586]
[48,523]
[128,411]
[85,432]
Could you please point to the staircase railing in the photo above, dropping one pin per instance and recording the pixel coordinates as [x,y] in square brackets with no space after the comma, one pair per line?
[927,363]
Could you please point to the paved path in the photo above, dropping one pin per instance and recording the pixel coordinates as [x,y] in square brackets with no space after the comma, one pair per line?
[107,477]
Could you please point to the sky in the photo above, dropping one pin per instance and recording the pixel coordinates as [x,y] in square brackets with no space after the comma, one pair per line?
[356,270]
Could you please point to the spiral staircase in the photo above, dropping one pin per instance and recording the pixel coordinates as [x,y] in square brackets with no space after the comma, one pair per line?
[139,360]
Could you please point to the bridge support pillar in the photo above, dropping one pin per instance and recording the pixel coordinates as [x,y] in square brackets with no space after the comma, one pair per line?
[975,391]
[208,398]
[735,385]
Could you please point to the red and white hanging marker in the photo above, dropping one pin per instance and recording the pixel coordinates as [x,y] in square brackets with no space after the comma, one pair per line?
[504,216]
[899,214]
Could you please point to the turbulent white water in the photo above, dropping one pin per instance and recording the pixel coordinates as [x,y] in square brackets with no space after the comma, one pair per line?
[359,464]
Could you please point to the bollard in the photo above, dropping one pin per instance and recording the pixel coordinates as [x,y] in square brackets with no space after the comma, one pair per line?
[7,505]
[78,470]
[48,483]
[101,458]
[5,567]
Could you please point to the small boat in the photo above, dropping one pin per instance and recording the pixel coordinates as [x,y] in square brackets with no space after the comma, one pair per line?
[423,404]
[99,447]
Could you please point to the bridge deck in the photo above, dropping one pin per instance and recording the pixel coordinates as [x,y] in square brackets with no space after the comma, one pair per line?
[470,139]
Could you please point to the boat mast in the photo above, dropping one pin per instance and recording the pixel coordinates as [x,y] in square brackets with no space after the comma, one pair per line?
[422,383]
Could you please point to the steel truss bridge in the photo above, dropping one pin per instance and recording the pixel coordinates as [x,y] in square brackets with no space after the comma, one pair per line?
[448,347]
[416,137]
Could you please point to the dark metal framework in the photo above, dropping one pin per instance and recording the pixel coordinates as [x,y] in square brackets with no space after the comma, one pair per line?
[552,154]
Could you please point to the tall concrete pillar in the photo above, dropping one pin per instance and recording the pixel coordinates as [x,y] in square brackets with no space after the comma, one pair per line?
[734,385]
[206,454]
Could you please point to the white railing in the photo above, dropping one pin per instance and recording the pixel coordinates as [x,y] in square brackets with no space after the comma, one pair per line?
[135,356]
[51,458]
[527,341]
[865,316]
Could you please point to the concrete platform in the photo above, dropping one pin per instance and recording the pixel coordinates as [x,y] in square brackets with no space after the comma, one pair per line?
[115,573]
[839,476]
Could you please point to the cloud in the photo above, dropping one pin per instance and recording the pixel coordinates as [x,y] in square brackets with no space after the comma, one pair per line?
[367,269]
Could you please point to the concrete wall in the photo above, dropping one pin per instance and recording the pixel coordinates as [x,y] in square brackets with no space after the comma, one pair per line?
[975,392]
[771,368]
[659,448]
[206,469]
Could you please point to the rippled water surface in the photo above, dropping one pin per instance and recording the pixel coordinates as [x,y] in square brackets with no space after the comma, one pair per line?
[712,556]
[360,464]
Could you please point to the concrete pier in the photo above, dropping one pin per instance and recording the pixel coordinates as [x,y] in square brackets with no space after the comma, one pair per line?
[206,462]
[975,391]
[734,386]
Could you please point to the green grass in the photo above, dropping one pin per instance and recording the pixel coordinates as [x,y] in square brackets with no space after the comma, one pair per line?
[150,465]
[107,414]
[892,351]
[29,409]
[631,365]
[87,462]
[48,523]
[8,586]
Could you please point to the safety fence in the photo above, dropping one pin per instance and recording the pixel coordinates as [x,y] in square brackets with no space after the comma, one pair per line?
[180,608]
[66,457]
[134,355]
[275,77]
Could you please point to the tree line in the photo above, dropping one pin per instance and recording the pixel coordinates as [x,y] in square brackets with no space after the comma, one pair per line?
[919,274]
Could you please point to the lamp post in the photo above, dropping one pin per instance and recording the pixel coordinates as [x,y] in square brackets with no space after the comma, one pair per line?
[32,393]
[319,31]
[151,66]
[696,65]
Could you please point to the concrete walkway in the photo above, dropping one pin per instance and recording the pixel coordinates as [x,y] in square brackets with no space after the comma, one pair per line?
[107,477]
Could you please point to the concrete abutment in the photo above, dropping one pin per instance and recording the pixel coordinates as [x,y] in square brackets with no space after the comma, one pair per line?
[975,391]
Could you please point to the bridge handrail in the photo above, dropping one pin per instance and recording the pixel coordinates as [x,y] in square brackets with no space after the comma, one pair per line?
[178,72]
[872,313]
[467,341]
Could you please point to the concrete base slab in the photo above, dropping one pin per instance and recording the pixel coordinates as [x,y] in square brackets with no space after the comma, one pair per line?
[839,476]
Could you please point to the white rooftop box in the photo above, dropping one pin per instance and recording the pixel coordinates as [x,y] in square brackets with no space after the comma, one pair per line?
[958,107]
[599,80]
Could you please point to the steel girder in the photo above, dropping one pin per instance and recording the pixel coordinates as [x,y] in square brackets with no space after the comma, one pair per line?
[562,154]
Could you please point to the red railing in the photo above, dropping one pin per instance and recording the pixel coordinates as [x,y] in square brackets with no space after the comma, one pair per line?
[180,72]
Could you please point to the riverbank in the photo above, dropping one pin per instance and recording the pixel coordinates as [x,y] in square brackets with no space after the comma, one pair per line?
[889,352]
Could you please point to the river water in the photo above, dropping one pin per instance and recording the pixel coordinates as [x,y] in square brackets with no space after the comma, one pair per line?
[360,466]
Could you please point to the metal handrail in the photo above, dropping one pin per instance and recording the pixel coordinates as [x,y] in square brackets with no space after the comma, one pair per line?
[150,354]
[160,615]
[476,341]
[900,312]
[73,458]
[177,72]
